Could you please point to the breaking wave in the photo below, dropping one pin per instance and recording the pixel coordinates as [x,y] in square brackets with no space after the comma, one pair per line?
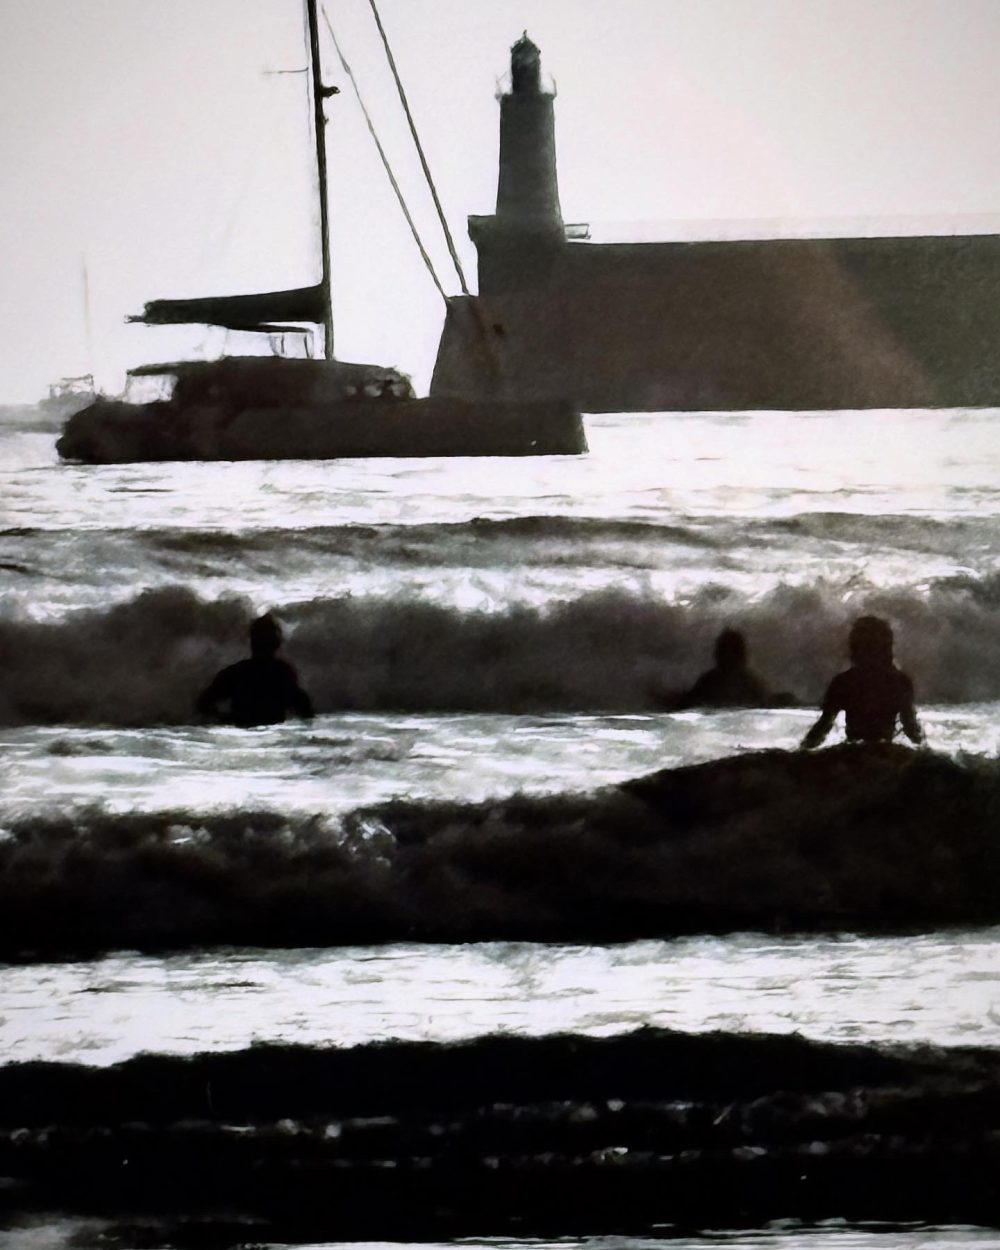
[877,838]
[142,662]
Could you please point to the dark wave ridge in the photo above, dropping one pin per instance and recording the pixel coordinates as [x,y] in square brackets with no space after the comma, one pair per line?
[143,661]
[486,543]
[851,838]
[531,1137]
[479,542]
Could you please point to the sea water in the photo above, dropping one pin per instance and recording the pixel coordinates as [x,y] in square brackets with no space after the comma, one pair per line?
[832,1235]
[940,988]
[470,629]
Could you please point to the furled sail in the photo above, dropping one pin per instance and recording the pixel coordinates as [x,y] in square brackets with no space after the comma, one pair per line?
[271,311]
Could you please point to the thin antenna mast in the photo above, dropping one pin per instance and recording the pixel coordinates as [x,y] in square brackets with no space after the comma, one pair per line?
[87,320]
[320,93]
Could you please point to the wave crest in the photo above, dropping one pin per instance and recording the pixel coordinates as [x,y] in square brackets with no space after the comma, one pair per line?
[142,662]
[878,838]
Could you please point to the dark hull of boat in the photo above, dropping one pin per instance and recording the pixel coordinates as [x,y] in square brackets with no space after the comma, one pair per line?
[110,432]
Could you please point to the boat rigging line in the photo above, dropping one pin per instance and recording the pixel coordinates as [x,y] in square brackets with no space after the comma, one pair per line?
[385,160]
[494,364]
[420,151]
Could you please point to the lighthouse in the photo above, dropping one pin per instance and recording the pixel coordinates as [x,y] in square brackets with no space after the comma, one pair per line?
[515,243]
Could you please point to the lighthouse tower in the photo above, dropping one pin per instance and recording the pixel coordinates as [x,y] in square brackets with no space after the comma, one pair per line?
[528,223]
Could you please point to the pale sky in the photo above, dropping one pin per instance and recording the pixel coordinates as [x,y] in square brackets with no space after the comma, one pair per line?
[151,144]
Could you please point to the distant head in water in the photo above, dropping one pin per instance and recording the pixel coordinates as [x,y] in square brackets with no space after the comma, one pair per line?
[731,682]
[259,691]
[730,650]
[265,635]
[870,642]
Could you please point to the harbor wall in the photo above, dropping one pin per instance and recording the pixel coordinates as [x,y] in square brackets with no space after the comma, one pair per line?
[758,324]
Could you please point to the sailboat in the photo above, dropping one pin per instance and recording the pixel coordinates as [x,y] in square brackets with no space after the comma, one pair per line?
[282,407]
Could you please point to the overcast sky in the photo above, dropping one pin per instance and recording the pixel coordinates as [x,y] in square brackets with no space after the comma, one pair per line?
[153,145]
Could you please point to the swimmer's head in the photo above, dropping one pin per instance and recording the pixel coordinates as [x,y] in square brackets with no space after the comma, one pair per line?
[730,649]
[265,635]
[870,642]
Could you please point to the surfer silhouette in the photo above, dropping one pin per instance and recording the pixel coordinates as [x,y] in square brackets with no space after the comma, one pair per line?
[872,693]
[731,682]
[259,691]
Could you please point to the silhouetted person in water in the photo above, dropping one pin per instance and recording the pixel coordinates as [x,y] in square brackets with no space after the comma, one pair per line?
[732,682]
[258,691]
[872,693]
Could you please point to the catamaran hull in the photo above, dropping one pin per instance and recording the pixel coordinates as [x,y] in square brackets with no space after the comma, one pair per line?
[111,432]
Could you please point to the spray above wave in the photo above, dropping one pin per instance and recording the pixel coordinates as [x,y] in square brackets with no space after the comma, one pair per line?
[850,838]
[142,662]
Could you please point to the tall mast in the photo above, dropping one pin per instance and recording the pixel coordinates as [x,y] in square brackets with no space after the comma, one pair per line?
[319,94]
